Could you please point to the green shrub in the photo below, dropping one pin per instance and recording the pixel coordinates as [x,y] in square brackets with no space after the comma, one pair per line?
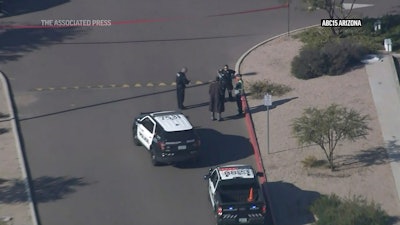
[316,36]
[258,88]
[333,58]
[342,55]
[333,210]
[310,63]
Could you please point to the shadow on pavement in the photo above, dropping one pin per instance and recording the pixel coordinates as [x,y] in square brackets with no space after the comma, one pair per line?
[18,7]
[106,103]
[290,204]
[4,130]
[218,148]
[263,108]
[197,105]
[15,43]
[160,40]
[45,189]
[249,74]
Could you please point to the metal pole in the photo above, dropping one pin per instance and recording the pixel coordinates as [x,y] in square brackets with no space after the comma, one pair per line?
[268,129]
[288,17]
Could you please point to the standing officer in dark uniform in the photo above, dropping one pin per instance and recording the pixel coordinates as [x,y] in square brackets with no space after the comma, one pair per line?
[181,82]
[228,75]
[238,93]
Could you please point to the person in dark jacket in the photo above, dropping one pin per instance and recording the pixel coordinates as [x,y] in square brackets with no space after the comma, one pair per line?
[228,75]
[238,91]
[181,82]
[217,101]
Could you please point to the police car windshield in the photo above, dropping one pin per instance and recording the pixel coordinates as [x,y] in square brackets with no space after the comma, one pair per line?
[179,135]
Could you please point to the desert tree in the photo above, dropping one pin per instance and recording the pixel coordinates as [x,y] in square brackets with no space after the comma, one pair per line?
[334,8]
[327,127]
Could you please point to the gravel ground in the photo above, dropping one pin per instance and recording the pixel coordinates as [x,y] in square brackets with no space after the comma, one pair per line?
[363,166]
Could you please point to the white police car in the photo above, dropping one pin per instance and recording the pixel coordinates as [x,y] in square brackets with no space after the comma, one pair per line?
[167,135]
[236,195]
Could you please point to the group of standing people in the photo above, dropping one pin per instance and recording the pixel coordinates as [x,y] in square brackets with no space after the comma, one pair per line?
[223,83]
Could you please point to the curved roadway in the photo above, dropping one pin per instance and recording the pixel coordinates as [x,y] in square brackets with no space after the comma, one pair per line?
[77,91]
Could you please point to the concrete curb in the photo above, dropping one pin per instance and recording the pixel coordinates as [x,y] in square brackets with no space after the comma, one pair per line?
[240,60]
[394,73]
[21,156]
[249,118]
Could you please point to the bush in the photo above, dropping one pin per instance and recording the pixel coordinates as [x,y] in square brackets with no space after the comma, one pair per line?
[333,58]
[333,210]
[312,161]
[258,88]
[342,55]
[310,63]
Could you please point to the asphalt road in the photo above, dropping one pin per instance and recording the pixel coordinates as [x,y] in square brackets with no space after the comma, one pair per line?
[77,91]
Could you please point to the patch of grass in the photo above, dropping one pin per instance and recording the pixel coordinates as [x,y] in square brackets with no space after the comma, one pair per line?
[315,37]
[312,162]
[259,88]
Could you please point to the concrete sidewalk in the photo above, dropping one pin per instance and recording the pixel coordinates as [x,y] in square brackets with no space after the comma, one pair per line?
[16,207]
[385,89]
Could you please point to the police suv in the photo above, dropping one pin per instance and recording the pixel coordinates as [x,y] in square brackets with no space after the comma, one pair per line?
[235,194]
[167,135]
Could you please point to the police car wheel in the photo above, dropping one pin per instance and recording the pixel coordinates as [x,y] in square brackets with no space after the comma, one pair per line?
[136,141]
[153,159]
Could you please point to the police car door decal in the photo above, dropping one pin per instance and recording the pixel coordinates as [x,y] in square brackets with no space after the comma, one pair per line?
[144,135]
[211,190]
[149,138]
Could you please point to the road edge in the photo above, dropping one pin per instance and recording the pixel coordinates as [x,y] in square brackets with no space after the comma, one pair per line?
[249,119]
[21,156]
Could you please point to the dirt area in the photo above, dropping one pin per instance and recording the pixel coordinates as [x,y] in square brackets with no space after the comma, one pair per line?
[363,166]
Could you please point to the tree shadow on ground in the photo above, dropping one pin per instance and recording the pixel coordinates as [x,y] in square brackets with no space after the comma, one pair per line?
[4,130]
[18,7]
[45,189]
[218,148]
[4,115]
[290,204]
[369,157]
[263,108]
[17,42]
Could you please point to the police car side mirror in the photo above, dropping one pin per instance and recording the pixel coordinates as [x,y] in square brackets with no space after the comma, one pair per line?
[206,177]
[260,174]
